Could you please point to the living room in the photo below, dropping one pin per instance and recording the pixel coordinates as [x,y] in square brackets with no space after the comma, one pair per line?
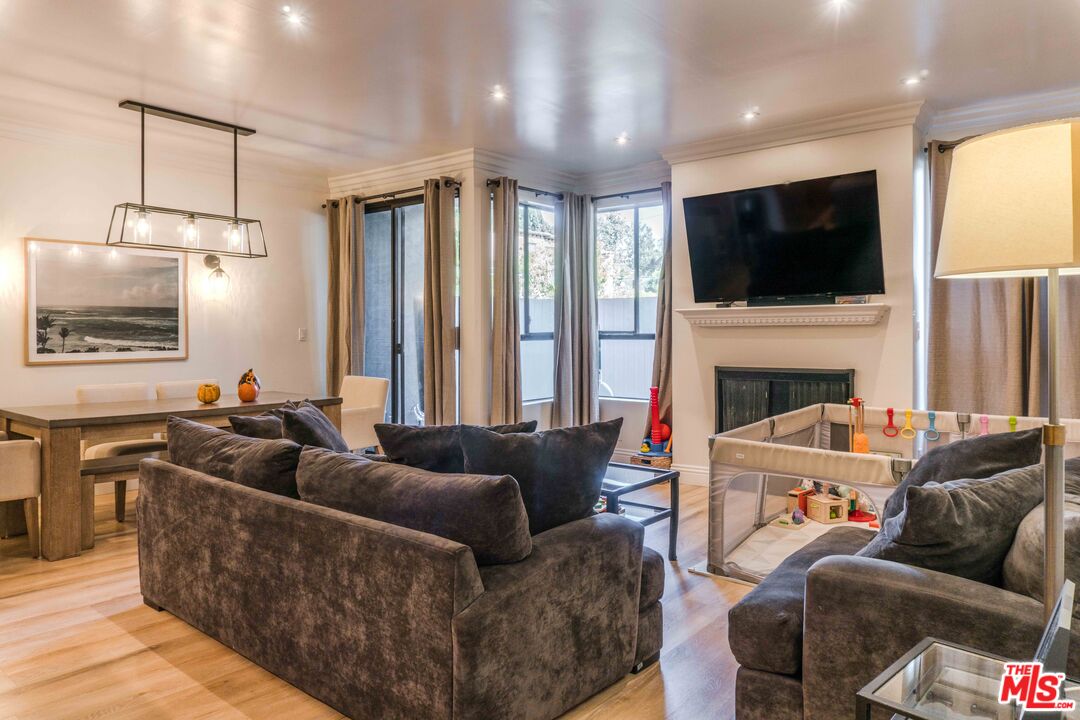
[537,359]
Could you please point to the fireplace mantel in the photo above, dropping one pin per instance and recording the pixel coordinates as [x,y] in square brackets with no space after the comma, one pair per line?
[785,315]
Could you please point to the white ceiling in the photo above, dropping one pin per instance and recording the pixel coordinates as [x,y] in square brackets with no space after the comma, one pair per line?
[363,84]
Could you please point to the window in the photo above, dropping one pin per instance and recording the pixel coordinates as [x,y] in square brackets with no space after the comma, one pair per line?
[536,299]
[629,257]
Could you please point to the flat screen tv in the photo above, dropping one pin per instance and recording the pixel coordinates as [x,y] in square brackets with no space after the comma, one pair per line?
[806,241]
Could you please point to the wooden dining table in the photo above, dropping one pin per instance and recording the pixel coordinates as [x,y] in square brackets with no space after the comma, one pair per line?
[62,429]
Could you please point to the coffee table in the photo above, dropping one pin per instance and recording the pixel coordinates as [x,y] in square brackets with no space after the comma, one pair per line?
[623,479]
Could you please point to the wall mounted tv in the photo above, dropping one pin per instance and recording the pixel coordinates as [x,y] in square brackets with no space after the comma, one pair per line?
[800,242]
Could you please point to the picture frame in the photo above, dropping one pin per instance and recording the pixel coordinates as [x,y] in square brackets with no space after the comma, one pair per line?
[90,303]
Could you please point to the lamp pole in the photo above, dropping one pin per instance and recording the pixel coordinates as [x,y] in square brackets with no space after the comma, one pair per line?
[1053,459]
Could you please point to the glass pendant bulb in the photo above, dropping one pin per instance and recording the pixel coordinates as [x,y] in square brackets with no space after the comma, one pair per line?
[235,234]
[190,229]
[217,284]
[143,228]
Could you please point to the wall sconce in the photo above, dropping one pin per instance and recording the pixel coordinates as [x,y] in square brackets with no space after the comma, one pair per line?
[217,282]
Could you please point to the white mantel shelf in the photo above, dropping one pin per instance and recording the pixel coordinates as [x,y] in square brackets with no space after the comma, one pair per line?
[786,315]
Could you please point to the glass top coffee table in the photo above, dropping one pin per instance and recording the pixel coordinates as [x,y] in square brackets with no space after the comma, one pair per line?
[937,680]
[622,479]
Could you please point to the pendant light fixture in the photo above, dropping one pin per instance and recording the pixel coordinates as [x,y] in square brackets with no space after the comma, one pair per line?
[150,226]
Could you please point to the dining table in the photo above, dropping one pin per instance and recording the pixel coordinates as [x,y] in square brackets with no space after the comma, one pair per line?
[63,430]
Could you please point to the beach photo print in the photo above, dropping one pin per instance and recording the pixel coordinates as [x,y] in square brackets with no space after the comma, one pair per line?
[90,303]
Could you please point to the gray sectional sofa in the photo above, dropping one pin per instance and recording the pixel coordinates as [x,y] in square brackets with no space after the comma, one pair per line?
[381,621]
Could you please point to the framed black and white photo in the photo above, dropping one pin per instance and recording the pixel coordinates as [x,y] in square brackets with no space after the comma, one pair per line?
[89,303]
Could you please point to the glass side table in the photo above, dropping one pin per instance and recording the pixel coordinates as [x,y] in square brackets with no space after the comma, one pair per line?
[937,680]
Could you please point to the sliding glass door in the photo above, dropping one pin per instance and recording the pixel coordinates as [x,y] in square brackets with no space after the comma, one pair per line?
[394,304]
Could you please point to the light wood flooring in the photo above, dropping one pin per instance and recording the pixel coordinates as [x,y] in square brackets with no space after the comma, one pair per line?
[76,642]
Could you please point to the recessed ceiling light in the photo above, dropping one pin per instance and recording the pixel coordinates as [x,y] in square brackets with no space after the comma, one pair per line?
[912,80]
[291,15]
[751,114]
[622,139]
[498,92]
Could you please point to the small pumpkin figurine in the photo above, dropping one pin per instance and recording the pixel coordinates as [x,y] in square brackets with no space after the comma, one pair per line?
[249,386]
[208,393]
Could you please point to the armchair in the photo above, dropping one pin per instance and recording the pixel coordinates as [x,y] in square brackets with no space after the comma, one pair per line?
[363,405]
[21,480]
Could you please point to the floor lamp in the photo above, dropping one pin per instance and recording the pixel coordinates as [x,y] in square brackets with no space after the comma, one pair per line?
[1013,210]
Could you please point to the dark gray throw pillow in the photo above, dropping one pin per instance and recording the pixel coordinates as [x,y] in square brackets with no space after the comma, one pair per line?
[483,512]
[559,471]
[435,447]
[308,425]
[268,465]
[266,426]
[963,527]
[977,457]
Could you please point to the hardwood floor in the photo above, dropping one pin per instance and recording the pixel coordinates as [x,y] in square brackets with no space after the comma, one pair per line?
[77,642]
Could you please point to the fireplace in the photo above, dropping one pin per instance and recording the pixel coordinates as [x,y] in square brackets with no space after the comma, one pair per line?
[746,395]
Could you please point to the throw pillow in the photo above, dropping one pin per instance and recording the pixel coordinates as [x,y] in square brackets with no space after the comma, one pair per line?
[266,426]
[485,513]
[977,457]
[437,447]
[1023,572]
[308,425]
[559,471]
[962,527]
[268,465]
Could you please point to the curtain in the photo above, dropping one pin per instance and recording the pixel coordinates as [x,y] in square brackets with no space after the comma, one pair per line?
[661,367]
[575,399]
[984,344]
[341,296]
[505,324]
[440,333]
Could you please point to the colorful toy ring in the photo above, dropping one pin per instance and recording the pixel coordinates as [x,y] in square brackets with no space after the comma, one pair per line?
[908,431]
[932,432]
[890,429]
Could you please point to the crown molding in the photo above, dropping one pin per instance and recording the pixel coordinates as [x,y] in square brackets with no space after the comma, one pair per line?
[407,174]
[1001,113]
[847,124]
[638,177]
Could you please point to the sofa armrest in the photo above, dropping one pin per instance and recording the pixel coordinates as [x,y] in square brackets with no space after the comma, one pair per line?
[553,629]
[862,614]
[353,611]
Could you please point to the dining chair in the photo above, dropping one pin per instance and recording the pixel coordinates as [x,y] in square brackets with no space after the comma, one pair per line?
[21,480]
[363,403]
[118,392]
[180,389]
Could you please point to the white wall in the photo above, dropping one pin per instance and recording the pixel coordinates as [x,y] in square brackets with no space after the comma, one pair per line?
[881,355]
[64,187]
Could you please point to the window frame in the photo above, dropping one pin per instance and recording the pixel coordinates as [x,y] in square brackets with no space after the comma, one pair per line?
[525,333]
[636,333]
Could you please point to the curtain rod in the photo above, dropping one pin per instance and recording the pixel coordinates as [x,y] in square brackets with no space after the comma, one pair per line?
[390,195]
[534,191]
[626,194]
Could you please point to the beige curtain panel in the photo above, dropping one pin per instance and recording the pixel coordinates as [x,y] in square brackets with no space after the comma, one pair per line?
[984,347]
[341,291]
[661,368]
[575,399]
[440,274]
[505,324]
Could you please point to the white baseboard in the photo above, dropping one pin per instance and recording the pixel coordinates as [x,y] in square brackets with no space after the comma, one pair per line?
[692,474]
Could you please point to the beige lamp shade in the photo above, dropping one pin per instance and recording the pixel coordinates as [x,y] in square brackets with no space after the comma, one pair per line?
[1013,204]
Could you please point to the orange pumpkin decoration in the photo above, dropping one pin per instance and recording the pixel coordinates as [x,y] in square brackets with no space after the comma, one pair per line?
[249,386]
[209,393]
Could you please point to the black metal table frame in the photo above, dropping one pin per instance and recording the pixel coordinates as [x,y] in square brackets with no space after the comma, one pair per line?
[613,496]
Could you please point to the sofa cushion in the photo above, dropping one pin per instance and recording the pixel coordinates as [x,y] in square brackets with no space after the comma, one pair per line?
[963,527]
[308,425]
[266,426]
[1023,571]
[652,577]
[485,513]
[977,457]
[765,627]
[559,471]
[436,447]
[268,465]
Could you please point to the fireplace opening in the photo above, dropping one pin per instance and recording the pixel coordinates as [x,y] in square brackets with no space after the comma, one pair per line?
[747,395]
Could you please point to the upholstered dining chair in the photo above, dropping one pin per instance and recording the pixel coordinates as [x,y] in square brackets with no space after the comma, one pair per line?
[363,403]
[119,392]
[178,389]
[21,480]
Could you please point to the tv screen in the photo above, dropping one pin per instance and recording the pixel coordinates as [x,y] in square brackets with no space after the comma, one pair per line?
[810,238]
